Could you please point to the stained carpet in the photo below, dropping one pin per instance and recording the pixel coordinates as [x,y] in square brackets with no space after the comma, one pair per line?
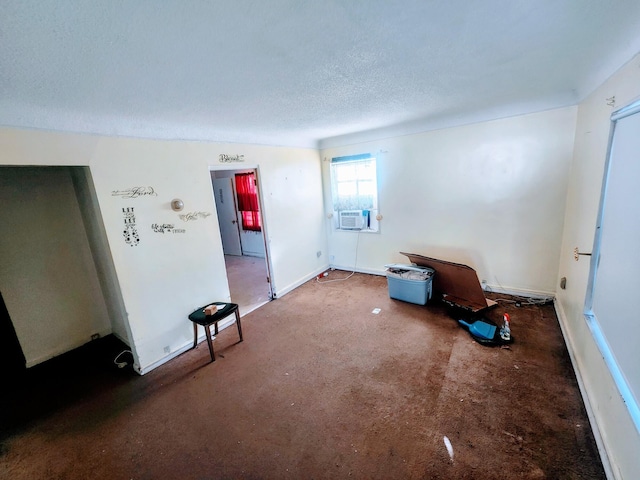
[321,388]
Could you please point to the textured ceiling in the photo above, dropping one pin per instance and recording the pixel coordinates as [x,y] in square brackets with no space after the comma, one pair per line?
[300,73]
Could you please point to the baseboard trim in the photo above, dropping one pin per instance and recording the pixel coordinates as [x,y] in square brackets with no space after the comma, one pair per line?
[184,348]
[520,292]
[368,271]
[292,286]
[568,340]
[60,351]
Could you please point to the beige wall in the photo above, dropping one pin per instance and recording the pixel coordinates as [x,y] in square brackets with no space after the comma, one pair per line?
[511,197]
[47,274]
[490,195]
[166,276]
[619,436]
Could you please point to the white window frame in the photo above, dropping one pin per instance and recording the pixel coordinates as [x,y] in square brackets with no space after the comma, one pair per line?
[355,177]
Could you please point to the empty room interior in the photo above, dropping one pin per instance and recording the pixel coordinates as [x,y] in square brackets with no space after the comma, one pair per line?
[288,158]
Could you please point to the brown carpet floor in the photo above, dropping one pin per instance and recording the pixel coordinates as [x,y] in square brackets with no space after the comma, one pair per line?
[321,388]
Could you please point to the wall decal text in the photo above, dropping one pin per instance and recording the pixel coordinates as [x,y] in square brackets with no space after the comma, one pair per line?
[130,232]
[135,192]
[162,227]
[166,228]
[192,216]
[230,158]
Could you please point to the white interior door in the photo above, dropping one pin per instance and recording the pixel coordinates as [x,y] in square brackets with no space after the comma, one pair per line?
[227,216]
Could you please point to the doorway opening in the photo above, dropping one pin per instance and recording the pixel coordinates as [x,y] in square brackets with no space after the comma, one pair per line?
[242,230]
[56,266]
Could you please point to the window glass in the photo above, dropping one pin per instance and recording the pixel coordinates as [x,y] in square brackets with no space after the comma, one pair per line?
[248,204]
[353,190]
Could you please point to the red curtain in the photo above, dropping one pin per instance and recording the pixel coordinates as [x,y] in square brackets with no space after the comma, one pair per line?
[248,204]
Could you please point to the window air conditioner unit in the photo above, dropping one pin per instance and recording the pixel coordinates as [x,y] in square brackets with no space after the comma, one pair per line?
[352,220]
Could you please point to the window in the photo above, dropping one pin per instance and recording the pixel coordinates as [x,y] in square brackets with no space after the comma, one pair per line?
[248,204]
[354,190]
[610,311]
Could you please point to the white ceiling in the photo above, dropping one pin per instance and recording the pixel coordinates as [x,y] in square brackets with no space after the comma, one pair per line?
[300,73]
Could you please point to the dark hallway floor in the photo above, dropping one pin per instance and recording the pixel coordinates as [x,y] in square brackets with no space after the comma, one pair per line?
[320,388]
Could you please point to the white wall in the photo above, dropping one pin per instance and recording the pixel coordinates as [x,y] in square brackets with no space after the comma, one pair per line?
[101,253]
[490,195]
[47,274]
[166,276]
[619,436]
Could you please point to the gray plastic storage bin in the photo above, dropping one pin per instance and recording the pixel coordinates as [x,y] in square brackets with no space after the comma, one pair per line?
[406,289]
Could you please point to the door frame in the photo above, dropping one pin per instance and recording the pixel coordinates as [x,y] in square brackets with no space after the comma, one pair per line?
[263,214]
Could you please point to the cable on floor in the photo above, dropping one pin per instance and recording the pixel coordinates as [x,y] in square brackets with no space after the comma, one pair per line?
[351,274]
[121,364]
[519,298]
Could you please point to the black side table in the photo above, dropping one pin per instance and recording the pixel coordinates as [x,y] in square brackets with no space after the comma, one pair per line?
[199,318]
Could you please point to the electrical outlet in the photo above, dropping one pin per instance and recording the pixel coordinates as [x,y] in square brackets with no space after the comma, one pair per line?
[319,253]
[95,336]
[167,349]
[484,284]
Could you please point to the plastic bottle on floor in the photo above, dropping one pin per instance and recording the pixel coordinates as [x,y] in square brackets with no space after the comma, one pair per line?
[505,331]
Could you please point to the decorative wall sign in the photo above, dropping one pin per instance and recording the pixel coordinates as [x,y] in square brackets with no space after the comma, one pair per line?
[135,192]
[230,158]
[166,228]
[130,232]
[187,217]
[162,227]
